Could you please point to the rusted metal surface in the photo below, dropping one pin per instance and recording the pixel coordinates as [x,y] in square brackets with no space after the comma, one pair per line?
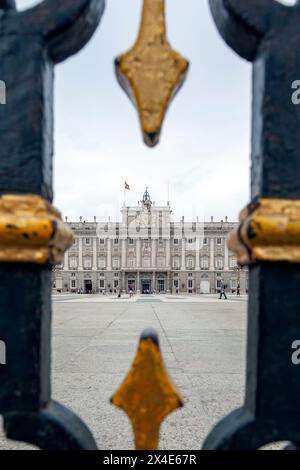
[147,394]
[151,72]
[31,231]
[269,231]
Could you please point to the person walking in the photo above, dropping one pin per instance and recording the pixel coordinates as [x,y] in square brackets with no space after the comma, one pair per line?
[238,291]
[222,292]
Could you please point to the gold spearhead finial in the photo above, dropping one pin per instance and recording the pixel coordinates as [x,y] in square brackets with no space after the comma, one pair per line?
[147,394]
[151,72]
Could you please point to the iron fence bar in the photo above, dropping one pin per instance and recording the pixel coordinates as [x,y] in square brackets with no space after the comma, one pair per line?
[267,33]
[32,237]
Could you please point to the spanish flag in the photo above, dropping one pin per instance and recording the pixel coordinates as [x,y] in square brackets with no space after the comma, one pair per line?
[126,186]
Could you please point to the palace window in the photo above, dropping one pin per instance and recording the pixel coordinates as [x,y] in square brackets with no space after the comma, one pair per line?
[102,241]
[73,284]
[87,262]
[131,262]
[130,241]
[161,262]
[190,283]
[205,241]
[116,283]
[116,275]
[87,241]
[101,262]
[73,262]
[176,283]
[219,241]
[176,264]
[190,263]
[190,241]
[116,263]
[233,263]
[219,263]
[146,263]
[116,241]
[204,263]
[176,241]
[102,283]
[233,283]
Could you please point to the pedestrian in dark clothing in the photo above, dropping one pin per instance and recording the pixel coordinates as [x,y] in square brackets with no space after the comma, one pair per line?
[238,292]
[222,292]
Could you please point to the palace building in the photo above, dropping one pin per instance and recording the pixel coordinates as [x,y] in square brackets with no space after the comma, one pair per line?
[147,252]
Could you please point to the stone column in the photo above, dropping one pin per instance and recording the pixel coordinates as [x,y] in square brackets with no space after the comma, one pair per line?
[123,265]
[66,261]
[154,246]
[197,254]
[153,281]
[123,287]
[138,282]
[108,263]
[138,253]
[226,261]
[212,254]
[94,254]
[168,254]
[80,254]
[183,267]
[168,282]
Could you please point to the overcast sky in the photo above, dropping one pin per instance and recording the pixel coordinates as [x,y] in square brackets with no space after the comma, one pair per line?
[204,153]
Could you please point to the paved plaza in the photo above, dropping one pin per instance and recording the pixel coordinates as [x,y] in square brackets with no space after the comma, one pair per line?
[203,341]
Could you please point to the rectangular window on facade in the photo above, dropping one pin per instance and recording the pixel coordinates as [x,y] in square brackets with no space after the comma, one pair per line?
[233,283]
[161,262]
[102,283]
[87,241]
[101,262]
[102,241]
[130,241]
[190,283]
[116,275]
[219,241]
[176,241]
[190,263]
[219,263]
[116,283]
[190,241]
[116,241]
[87,262]
[131,263]
[176,283]
[73,262]
[176,262]
[219,283]
[205,241]
[204,263]
[233,263]
[116,263]
[146,263]
[73,283]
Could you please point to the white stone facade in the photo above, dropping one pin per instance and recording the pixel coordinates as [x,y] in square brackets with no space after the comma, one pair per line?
[147,252]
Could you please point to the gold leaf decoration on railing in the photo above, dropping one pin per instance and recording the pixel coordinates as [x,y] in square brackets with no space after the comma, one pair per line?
[151,72]
[147,394]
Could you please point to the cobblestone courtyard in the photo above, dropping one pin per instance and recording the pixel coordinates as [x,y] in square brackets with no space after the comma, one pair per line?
[94,342]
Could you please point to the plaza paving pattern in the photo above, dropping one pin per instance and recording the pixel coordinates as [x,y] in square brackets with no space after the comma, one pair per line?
[203,341]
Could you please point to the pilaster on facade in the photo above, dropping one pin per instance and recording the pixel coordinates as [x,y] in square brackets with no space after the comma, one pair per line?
[226,260]
[80,257]
[212,254]
[183,243]
[94,254]
[108,261]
